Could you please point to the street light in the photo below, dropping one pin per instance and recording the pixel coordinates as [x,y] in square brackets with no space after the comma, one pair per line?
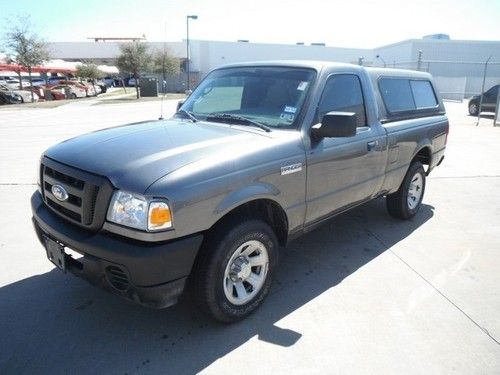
[194,17]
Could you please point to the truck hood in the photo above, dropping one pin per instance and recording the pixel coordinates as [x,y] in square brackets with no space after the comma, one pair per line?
[134,156]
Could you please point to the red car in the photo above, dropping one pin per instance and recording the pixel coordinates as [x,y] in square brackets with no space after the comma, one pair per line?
[59,92]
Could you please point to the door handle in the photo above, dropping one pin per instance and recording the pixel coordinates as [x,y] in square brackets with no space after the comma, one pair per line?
[372,145]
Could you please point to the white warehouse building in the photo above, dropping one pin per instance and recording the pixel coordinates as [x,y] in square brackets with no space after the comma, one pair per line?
[457,65]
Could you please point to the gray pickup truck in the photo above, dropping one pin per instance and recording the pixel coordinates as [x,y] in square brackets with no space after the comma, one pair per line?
[257,155]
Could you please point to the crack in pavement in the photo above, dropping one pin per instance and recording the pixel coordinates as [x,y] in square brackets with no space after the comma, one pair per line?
[484,330]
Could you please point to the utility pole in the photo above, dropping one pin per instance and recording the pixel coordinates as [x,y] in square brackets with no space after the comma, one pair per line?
[419,61]
[380,57]
[482,90]
[188,68]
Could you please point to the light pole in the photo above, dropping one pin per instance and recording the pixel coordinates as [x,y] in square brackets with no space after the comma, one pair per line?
[194,17]
[380,57]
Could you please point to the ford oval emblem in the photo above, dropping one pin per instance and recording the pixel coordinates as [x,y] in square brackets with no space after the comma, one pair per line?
[59,192]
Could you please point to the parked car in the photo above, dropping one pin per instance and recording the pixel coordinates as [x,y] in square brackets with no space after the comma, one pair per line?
[14,83]
[38,90]
[118,82]
[256,156]
[55,80]
[102,86]
[74,91]
[83,86]
[25,95]
[9,97]
[56,94]
[489,101]
[37,81]
[131,82]
[108,81]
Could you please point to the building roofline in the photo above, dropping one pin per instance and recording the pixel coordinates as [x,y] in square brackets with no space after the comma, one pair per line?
[278,44]
[442,41]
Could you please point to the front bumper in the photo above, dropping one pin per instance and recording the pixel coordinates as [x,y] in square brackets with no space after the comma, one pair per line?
[152,274]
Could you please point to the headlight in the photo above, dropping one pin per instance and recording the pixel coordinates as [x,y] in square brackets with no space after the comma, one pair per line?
[137,211]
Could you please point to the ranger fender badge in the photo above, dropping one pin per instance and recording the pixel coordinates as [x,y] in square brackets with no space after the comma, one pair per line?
[291,169]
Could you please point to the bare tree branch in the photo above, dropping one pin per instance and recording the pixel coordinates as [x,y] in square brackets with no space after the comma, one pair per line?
[24,47]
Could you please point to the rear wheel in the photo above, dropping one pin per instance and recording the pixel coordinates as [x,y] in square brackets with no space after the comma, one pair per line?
[233,273]
[73,96]
[406,202]
[473,108]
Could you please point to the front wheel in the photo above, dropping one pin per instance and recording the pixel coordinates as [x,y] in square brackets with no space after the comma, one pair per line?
[233,273]
[406,202]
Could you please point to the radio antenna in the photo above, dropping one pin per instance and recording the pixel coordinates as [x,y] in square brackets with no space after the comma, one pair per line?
[163,72]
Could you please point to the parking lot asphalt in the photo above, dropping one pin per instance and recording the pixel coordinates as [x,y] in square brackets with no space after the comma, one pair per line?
[362,294]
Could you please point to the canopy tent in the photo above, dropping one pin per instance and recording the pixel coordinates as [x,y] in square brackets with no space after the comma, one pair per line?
[55,66]
[37,69]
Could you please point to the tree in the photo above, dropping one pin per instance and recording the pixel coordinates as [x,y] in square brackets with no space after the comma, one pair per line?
[24,47]
[88,71]
[134,59]
[165,63]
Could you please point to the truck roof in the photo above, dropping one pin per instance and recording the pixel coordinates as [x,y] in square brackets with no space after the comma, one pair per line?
[312,64]
[388,72]
[319,65]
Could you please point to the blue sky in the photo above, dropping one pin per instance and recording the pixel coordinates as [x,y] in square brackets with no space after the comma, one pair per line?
[348,23]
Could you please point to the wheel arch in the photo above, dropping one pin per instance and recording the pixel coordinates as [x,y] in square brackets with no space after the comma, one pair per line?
[424,155]
[263,208]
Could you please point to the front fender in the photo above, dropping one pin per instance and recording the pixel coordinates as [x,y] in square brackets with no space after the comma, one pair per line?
[257,190]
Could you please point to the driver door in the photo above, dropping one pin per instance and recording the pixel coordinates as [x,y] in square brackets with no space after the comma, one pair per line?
[342,172]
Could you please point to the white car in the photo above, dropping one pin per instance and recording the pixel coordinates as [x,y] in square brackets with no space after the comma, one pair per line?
[14,83]
[24,94]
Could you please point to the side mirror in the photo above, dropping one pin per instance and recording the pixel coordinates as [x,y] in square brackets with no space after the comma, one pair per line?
[335,124]
[180,103]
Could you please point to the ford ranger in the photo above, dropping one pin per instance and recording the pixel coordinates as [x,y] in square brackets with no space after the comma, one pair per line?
[257,155]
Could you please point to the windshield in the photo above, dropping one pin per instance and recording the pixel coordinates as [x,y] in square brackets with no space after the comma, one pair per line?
[272,96]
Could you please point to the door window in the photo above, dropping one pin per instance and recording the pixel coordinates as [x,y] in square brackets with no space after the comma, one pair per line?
[343,93]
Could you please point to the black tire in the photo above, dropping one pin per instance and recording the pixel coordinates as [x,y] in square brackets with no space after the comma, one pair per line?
[208,275]
[397,203]
[473,108]
[73,96]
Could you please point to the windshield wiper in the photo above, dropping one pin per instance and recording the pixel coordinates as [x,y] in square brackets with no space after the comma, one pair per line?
[188,114]
[241,119]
